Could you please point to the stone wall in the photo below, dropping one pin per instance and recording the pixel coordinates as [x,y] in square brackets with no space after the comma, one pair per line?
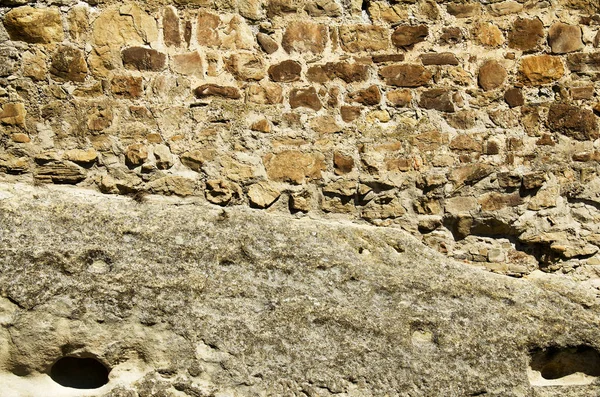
[471,125]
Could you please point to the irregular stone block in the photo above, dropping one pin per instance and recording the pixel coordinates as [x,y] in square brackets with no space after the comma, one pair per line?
[491,75]
[489,34]
[136,155]
[505,8]
[59,172]
[85,158]
[526,34]
[407,36]
[385,58]
[285,72]
[438,99]
[294,166]
[189,64]
[579,124]
[246,66]
[251,9]
[443,58]
[514,97]
[452,35]
[304,37]
[13,114]
[267,43]
[369,96]
[126,25]
[264,93]
[399,98]
[171,31]
[9,61]
[127,86]
[34,25]
[79,23]
[320,8]
[207,32]
[405,75]
[208,90]
[325,125]
[357,38]
[349,72]
[584,62]
[541,69]
[564,38]
[68,64]
[350,113]
[262,195]
[305,97]
[342,163]
[144,59]
[463,10]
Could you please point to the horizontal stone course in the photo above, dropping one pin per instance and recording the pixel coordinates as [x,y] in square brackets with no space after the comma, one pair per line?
[281,105]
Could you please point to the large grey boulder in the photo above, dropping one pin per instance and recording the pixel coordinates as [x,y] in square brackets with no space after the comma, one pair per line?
[177,298]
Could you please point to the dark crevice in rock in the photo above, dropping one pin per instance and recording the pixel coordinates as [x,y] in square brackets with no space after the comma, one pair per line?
[559,362]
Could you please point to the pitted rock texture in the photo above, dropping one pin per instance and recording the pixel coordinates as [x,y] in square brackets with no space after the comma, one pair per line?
[470,124]
[178,298]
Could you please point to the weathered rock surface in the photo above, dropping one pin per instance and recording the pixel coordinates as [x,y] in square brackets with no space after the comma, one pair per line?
[200,300]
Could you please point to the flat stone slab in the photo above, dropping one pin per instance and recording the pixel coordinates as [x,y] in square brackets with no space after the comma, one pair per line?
[177,298]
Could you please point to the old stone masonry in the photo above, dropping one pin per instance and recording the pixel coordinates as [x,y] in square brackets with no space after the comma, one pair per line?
[471,125]
[299,198]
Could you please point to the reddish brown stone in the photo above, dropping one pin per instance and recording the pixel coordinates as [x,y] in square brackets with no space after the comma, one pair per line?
[285,72]
[514,97]
[526,34]
[491,75]
[438,99]
[342,163]
[405,75]
[305,97]
[207,33]
[584,62]
[443,58]
[583,92]
[407,36]
[349,72]
[208,90]
[463,10]
[171,31]
[350,113]
[388,58]
[399,98]
[579,124]
[267,43]
[564,38]
[452,35]
[68,64]
[144,59]
[127,86]
[369,96]
[304,37]
[466,143]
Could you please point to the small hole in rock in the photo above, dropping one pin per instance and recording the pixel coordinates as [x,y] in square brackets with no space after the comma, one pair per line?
[555,363]
[79,373]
